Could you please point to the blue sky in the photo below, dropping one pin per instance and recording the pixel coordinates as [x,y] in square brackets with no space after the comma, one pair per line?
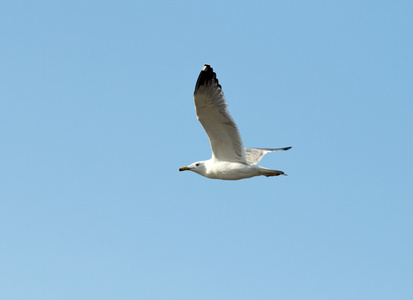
[96,117]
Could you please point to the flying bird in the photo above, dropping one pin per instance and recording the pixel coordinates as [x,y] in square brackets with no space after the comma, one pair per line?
[230,160]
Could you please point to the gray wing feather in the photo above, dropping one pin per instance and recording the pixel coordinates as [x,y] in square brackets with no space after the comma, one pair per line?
[212,112]
[254,155]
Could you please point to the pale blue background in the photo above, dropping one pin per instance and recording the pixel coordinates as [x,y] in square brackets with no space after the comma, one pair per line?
[96,117]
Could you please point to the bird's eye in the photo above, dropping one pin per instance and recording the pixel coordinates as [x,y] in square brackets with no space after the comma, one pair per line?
[197,165]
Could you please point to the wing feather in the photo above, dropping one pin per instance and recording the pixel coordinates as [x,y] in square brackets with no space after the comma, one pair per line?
[254,155]
[212,112]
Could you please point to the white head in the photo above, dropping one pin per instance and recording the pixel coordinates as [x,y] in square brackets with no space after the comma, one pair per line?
[197,167]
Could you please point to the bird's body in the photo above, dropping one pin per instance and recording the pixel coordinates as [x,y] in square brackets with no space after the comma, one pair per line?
[230,161]
[228,170]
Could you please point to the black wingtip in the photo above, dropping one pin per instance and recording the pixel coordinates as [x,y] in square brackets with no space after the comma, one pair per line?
[206,76]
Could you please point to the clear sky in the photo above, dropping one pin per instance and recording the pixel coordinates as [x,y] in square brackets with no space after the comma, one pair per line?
[97,115]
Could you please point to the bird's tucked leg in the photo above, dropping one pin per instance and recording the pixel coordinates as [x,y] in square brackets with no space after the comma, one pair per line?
[269,173]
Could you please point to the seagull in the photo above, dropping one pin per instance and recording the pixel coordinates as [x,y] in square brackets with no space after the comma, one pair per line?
[230,160]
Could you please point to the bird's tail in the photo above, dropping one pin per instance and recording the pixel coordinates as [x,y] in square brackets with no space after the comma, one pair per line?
[268,172]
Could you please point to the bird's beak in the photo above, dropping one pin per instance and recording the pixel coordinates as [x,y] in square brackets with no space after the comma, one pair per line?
[184,169]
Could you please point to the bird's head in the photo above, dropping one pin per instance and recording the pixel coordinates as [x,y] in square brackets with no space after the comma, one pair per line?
[197,167]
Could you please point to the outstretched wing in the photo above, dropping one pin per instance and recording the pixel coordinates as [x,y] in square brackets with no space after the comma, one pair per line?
[212,112]
[254,155]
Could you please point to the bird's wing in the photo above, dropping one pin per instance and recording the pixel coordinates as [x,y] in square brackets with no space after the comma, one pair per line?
[212,112]
[254,155]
